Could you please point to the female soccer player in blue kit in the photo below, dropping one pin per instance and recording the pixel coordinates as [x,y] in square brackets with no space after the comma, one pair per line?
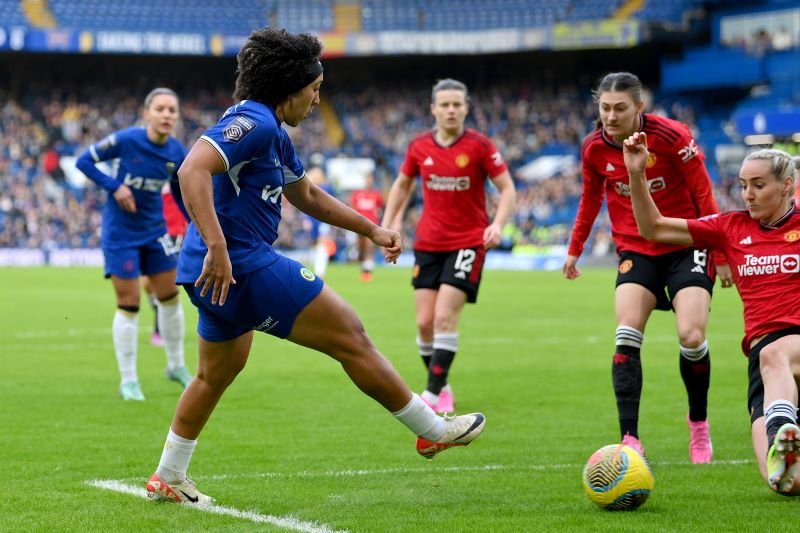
[232,182]
[134,237]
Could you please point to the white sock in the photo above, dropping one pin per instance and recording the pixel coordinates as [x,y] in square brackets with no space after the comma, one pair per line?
[367,265]
[430,397]
[175,458]
[425,348]
[694,354]
[780,408]
[421,419]
[321,259]
[171,326]
[125,331]
[446,341]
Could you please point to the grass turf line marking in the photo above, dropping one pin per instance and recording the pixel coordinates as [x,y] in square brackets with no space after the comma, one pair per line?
[286,522]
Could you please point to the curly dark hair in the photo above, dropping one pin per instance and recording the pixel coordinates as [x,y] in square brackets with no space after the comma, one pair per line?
[271,64]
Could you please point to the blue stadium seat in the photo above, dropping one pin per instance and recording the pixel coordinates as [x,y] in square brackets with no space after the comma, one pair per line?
[233,16]
[11,14]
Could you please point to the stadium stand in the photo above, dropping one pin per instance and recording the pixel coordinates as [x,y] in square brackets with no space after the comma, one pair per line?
[11,13]
[236,16]
[233,16]
[534,106]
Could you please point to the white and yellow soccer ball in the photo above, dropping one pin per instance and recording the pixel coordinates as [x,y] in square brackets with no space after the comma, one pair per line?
[617,478]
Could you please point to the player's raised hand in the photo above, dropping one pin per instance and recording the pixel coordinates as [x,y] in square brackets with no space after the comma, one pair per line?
[634,150]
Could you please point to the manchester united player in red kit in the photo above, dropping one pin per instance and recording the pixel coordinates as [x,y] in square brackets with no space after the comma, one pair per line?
[760,244]
[367,201]
[454,164]
[650,275]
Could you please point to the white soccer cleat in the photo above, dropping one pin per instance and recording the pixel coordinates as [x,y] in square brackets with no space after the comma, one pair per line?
[131,390]
[460,431]
[180,375]
[176,492]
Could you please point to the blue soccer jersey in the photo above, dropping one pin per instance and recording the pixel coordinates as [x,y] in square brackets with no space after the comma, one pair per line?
[259,161]
[144,167]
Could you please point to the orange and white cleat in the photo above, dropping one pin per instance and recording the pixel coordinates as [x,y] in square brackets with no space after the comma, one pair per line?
[176,492]
[460,431]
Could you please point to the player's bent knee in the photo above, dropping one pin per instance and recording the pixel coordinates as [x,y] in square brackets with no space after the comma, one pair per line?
[770,356]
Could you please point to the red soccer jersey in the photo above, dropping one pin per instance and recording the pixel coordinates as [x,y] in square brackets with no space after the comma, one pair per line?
[765,262]
[176,222]
[367,202]
[453,189]
[676,176]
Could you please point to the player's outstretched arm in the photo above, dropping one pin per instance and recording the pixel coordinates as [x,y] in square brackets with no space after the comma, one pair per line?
[314,201]
[652,225]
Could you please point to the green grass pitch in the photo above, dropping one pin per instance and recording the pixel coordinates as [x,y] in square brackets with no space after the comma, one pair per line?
[293,446]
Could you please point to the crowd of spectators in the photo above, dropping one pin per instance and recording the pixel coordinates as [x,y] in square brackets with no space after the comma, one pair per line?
[43,204]
[761,41]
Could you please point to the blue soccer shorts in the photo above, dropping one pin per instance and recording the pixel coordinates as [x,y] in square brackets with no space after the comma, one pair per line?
[268,300]
[146,260]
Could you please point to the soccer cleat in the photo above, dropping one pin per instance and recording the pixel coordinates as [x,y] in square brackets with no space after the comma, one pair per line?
[459,431]
[700,449]
[366,277]
[782,458]
[176,492]
[180,374]
[635,443]
[131,391]
[156,339]
[447,401]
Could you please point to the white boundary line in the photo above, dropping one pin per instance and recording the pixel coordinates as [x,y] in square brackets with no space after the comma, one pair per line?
[286,522]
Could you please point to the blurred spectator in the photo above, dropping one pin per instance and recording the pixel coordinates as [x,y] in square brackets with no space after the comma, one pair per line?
[39,208]
[782,40]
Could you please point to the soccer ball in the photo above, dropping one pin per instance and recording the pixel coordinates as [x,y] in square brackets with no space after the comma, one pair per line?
[617,478]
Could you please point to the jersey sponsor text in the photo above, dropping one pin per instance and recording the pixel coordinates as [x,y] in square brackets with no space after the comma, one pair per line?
[447,183]
[755,265]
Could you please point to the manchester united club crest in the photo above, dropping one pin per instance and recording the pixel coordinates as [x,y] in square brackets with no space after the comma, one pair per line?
[462,160]
[651,159]
[792,236]
[625,266]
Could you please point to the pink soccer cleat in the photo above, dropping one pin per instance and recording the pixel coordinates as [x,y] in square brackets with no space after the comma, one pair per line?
[633,442]
[447,401]
[700,449]
[156,339]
